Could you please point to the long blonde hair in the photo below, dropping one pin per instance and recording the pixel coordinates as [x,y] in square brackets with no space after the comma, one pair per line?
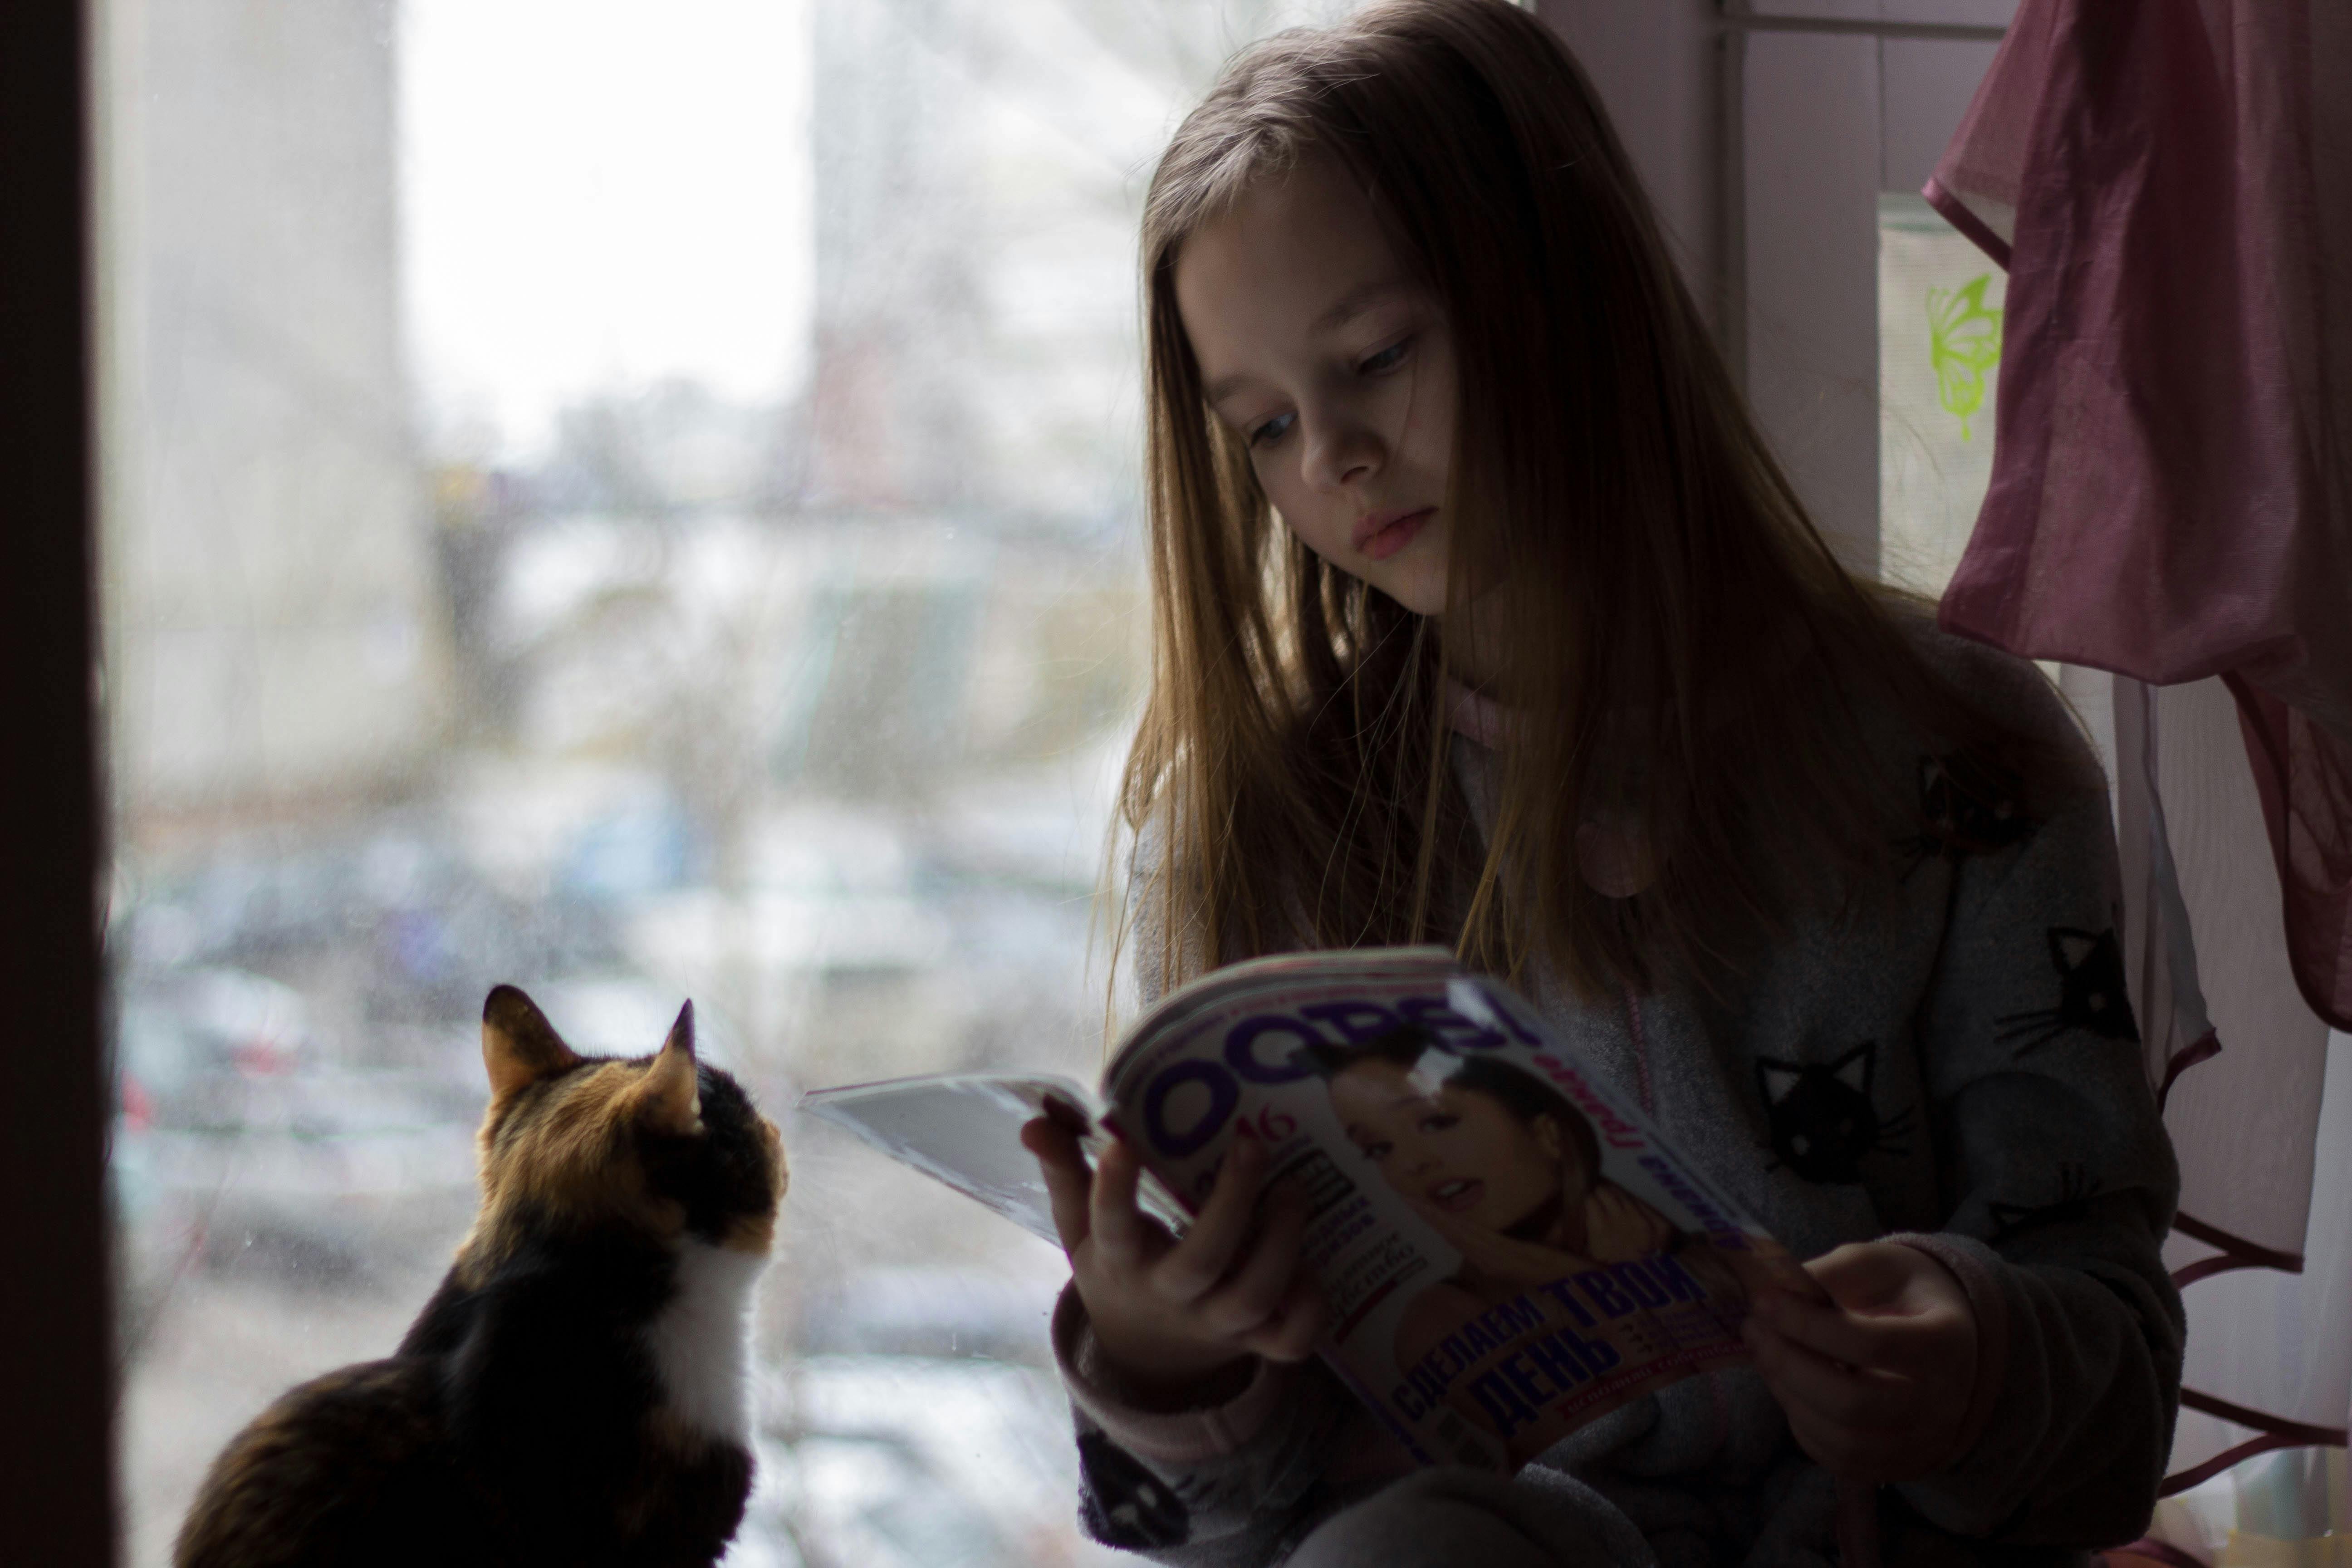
[1682,651]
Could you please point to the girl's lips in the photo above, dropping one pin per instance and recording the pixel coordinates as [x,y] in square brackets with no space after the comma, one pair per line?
[1457,1196]
[1386,536]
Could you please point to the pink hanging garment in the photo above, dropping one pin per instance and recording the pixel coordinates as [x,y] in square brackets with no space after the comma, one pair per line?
[2169,185]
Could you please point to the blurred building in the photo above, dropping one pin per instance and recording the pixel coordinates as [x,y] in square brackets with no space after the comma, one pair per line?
[981,166]
[267,551]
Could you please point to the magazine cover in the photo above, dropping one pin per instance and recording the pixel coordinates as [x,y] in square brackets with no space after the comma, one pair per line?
[1509,1251]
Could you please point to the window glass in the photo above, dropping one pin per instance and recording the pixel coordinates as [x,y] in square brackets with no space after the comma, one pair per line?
[640,502]
[1940,335]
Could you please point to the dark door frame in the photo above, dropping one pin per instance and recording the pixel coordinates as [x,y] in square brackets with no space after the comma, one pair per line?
[57,1354]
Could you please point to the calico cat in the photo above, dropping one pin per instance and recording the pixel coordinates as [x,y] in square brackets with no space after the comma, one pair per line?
[576,1390]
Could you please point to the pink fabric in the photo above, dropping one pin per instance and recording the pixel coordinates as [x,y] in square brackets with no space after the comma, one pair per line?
[1476,718]
[2170,183]
[2221,1023]
[1612,851]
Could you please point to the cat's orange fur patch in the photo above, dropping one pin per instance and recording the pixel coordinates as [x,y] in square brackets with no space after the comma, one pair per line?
[562,1147]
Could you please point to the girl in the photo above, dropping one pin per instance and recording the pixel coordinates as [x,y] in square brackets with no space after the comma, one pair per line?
[1482,614]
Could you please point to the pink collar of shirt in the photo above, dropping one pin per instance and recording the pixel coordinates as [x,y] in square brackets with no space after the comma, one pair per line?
[1612,854]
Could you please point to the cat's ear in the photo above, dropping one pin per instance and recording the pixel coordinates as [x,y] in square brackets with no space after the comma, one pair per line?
[1775,1080]
[1855,1069]
[519,1045]
[670,1099]
[2072,948]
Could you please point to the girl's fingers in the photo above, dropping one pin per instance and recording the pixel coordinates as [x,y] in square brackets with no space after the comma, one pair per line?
[1192,1268]
[1296,1326]
[1864,1274]
[1810,1383]
[1916,1343]
[1247,1301]
[1069,1184]
[1833,1333]
[1122,1237]
[1840,1452]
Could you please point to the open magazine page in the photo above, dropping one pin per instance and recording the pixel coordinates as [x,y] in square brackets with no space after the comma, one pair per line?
[1509,1251]
[964,1128]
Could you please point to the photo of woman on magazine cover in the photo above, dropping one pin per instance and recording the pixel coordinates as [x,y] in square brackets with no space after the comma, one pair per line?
[1502,1165]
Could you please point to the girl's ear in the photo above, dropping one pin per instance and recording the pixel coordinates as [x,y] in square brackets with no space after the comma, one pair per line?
[1548,1137]
[670,1099]
[519,1045]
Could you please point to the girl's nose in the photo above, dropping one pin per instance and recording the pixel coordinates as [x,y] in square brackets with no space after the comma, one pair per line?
[1340,452]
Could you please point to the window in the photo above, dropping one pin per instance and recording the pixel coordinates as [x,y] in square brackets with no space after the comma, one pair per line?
[1939,318]
[640,502]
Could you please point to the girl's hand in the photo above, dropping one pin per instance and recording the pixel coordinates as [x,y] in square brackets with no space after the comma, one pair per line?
[1877,1384]
[1170,1315]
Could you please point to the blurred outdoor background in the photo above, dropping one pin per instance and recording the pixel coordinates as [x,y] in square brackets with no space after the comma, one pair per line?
[639,501]
[642,502]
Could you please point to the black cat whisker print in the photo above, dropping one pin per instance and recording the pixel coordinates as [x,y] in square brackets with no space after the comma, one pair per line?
[2091,996]
[1821,1119]
[2076,1188]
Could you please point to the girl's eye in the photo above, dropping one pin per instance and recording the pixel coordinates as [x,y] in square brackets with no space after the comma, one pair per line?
[1388,358]
[1438,1122]
[1375,1152]
[1272,430]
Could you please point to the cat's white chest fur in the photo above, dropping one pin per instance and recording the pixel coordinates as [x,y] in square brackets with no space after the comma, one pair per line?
[701,1341]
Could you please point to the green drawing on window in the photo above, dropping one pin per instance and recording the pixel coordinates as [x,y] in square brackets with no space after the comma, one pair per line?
[1964,340]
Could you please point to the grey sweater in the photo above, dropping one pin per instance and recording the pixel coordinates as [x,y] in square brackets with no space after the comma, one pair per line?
[1958,1070]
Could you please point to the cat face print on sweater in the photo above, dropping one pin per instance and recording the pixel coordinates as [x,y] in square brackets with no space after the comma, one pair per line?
[1823,1120]
[1968,805]
[1122,1504]
[2091,996]
[576,1391]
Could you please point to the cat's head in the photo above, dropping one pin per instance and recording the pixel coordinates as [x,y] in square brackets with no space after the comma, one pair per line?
[662,1145]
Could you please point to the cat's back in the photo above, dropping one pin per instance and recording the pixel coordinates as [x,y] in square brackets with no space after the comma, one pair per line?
[351,1467]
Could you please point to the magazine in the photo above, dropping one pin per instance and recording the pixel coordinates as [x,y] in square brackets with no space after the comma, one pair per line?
[1507,1248]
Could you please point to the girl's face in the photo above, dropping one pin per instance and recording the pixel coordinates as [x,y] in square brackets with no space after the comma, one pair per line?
[1457,1151]
[1318,350]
